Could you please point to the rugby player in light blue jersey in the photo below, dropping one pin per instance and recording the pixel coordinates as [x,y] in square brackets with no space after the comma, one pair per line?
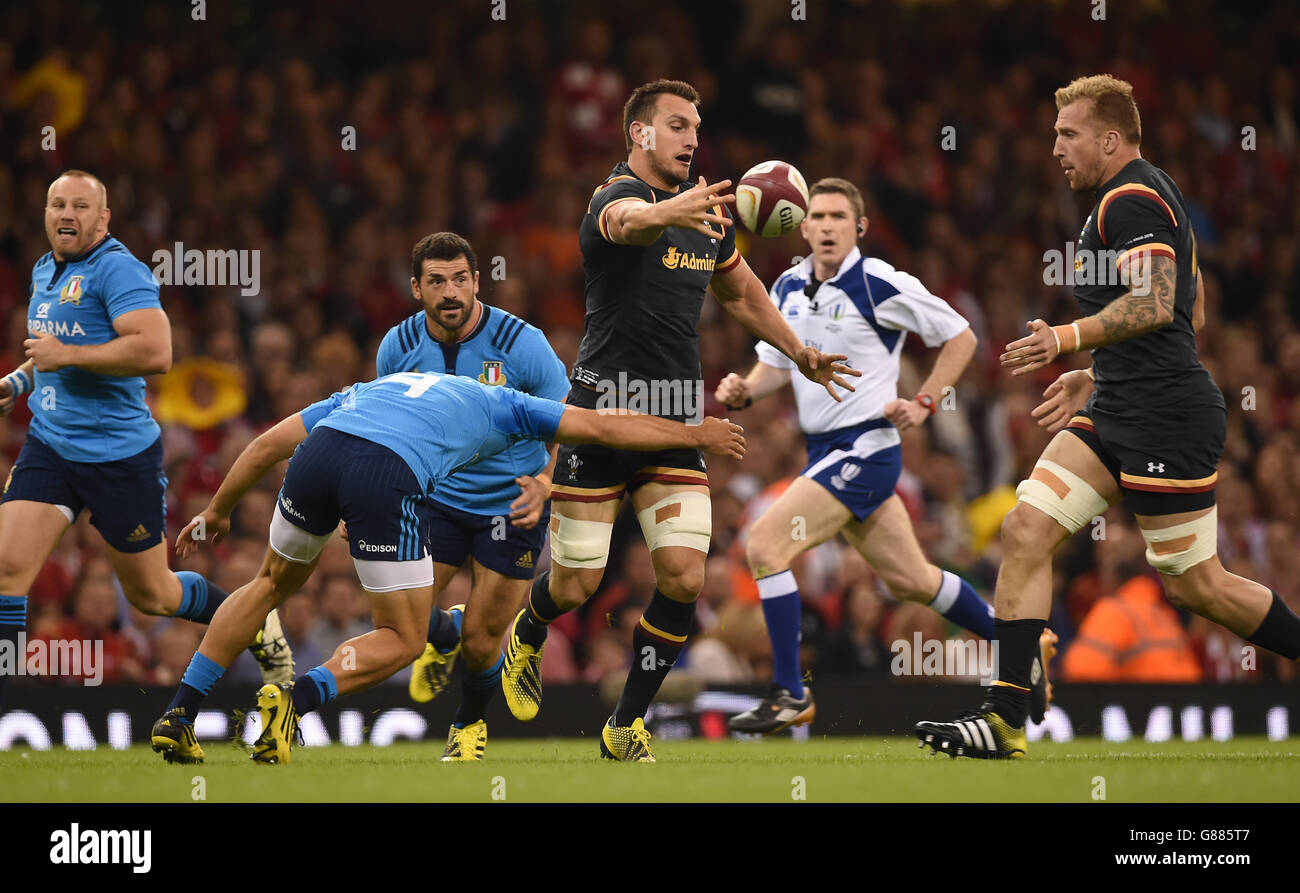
[96,327]
[371,456]
[494,512]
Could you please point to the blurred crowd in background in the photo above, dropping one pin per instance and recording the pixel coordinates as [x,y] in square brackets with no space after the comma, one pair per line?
[331,138]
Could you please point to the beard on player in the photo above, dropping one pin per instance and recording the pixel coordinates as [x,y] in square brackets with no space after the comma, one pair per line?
[450,312]
[671,164]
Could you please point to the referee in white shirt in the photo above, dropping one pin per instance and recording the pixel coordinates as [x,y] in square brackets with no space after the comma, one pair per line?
[842,302]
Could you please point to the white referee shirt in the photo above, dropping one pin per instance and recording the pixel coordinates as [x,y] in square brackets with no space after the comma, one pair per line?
[864,312]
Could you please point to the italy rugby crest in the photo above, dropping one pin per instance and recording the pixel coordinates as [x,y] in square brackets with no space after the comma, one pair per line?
[71,293]
[492,373]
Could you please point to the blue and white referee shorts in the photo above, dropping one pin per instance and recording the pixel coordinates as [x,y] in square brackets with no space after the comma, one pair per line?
[335,476]
[858,465]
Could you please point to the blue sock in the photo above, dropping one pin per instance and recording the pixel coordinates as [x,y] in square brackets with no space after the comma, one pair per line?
[202,673]
[311,690]
[444,629]
[961,604]
[780,595]
[13,620]
[477,690]
[200,597]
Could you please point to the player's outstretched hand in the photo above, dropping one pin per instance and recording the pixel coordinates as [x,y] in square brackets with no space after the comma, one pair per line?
[721,437]
[826,369]
[1033,352]
[7,398]
[1064,397]
[732,391]
[526,511]
[205,527]
[904,414]
[693,209]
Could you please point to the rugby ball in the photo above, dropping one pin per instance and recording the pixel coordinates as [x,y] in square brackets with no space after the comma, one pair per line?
[772,198]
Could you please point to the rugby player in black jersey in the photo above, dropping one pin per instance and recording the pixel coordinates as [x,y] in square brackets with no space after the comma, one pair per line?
[1145,425]
[652,244]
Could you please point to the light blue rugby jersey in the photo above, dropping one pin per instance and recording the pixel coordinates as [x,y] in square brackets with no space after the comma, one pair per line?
[436,423]
[502,350]
[84,416]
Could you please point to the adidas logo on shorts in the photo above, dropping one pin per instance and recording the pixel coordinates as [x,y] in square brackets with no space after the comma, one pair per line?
[138,534]
[525,560]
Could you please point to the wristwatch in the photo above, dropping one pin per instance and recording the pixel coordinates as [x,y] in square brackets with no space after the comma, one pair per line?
[928,402]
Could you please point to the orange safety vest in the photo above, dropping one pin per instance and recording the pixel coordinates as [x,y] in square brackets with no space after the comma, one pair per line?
[1132,636]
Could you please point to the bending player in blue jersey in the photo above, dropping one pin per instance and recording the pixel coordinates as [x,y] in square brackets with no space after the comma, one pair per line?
[862,307]
[96,327]
[368,456]
[493,513]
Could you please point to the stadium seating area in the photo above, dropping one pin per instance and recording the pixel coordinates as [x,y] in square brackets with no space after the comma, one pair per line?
[499,131]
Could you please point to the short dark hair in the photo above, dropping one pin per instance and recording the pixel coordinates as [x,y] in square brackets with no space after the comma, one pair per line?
[837,186]
[640,105]
[440,246]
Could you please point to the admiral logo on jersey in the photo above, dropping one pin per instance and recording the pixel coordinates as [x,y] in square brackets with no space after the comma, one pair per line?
[644,301]
[675,260]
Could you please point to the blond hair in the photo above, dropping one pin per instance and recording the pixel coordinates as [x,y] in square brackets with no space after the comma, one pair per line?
[103,190]
[1113,107]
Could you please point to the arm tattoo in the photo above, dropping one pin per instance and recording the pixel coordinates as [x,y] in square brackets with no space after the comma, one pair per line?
[1142,310]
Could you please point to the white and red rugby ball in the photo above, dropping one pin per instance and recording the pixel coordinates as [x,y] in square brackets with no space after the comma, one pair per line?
[772,198]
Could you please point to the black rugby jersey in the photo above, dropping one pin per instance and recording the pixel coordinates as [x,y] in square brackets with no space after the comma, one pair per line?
[1138,210]
[644,302]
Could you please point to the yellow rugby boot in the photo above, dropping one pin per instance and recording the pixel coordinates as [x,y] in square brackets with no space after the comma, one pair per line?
[173,737]
[521,677]
[279,724]
[630,744]
[432,670]
[465,745]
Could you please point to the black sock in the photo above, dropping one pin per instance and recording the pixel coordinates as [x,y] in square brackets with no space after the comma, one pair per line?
[444,631]
[477,690]
[656,642]
[1280,631]
[187,698]
[1017,643]
[541,612]
[315,687]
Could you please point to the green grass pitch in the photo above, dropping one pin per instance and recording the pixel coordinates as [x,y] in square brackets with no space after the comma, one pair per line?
[830,769]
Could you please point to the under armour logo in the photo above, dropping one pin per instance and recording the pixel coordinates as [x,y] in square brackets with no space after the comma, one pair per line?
[1156,466]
